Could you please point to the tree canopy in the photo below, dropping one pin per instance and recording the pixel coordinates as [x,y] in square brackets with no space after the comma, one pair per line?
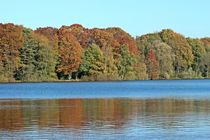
[78,53]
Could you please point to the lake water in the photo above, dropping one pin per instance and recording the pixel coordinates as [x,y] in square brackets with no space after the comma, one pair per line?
[106,110]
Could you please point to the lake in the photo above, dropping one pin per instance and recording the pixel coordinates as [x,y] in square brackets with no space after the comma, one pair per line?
[106,110]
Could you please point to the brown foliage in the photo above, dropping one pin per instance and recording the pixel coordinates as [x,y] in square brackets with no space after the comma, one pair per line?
[70,52]
[206,42]
[11,40]
[124,38]
[50,33]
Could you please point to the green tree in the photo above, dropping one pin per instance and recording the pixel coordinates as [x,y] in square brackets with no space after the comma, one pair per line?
[126,63]
[205,64]
[162,51]
[3,76]
[198,51]
[110,67]
[182,50]
[205,59]
[165,59]
[93,62]
[140,69]
[144,42]
[38,59]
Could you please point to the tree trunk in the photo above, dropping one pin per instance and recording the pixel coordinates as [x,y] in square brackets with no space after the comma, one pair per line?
[69,76]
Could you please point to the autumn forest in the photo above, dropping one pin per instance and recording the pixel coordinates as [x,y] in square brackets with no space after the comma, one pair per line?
[77,53]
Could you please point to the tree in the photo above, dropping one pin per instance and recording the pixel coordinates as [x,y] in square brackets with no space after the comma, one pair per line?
[152,65]
[144,42]
[74,51]
[205,59]
[198,51]
[126,63]
[123,38]
[81,34]
[70,53]
[165,59]
[11,40]
[3,75]
[163,52]
[140,69]
[205,64]
[110,67]
[93,62]
[51,34]
[38,59]
[76,30]
[206,42]
[180,47]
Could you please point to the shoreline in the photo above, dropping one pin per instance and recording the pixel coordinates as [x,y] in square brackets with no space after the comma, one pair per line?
[102,81]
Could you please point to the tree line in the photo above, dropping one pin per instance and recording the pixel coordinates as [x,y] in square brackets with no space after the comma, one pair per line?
[77,53]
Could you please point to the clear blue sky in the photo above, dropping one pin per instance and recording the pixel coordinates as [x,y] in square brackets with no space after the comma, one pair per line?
[189,17]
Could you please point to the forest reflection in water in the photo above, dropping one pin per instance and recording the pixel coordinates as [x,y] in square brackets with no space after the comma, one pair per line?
[20,115]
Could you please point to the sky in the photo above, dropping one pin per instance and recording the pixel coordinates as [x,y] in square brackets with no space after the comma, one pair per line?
[137,17]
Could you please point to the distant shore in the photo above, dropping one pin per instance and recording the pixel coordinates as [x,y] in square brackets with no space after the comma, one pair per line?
[99,81]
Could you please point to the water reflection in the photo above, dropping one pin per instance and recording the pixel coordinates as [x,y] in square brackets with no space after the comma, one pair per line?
[95,116]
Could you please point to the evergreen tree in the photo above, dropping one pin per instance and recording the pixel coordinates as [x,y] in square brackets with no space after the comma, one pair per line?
[93,62]
[38,59]
[126,63]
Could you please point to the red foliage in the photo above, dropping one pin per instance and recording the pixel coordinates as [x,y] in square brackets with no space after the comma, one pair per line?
[103,38]
[114,37]
[206,41]
[152,65]
[124,38]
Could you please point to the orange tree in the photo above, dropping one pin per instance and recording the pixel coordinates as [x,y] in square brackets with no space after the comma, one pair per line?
[70,53]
